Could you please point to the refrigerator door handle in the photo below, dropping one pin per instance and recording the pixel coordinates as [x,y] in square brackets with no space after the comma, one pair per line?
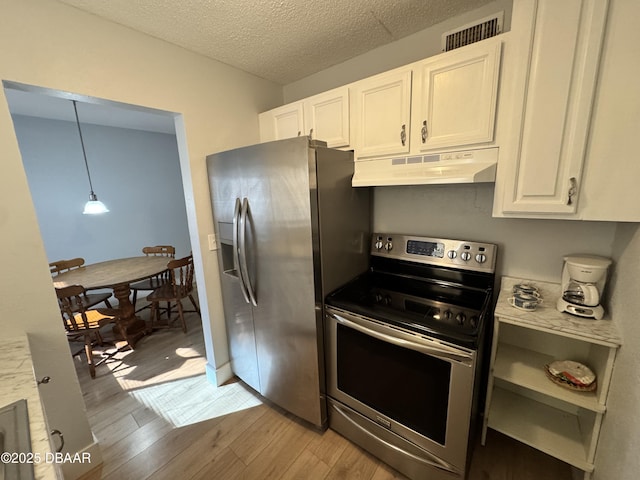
[243,251]
[236,261]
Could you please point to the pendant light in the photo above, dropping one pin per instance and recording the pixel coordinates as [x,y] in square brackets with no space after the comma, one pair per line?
[93,206]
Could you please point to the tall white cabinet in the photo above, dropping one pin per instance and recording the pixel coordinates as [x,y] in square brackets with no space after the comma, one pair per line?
[556,59]
[526,405]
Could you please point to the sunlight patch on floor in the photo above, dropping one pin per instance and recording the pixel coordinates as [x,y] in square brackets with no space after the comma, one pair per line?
[188,352]
[182,363]
[190,400]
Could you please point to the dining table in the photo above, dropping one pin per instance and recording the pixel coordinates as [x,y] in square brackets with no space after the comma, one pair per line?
[117,274]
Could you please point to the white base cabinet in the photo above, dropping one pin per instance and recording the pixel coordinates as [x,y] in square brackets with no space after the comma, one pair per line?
[526,405]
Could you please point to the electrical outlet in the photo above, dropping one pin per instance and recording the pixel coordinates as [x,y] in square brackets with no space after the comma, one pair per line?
[212,242]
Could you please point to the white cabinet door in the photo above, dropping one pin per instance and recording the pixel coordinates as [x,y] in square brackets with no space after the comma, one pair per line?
[564,41]
[382,109]
[455,97]
[326,117]
[282,122]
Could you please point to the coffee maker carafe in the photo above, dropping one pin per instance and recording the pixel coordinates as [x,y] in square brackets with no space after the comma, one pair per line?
[583,280]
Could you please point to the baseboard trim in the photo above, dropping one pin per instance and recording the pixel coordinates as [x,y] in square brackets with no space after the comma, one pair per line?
[220,375]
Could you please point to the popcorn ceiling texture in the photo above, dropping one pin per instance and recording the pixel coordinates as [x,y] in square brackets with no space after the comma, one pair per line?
[279,40]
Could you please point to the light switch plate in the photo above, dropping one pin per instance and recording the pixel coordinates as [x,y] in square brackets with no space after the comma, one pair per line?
[212,242]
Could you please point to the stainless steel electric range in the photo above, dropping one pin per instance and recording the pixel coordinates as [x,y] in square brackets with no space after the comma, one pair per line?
[404,352]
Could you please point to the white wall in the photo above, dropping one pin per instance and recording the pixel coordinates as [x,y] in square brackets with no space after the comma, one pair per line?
[617,456]
[51,45]
[134,172]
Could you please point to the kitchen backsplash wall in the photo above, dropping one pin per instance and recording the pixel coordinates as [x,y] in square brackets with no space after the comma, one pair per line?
[526,248]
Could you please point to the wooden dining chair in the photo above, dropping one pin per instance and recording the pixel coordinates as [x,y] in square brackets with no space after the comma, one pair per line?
[88,299]
[82,324]
[179,287]
[156,281]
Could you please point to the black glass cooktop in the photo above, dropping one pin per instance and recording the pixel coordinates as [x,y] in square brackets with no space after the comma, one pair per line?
[437,308]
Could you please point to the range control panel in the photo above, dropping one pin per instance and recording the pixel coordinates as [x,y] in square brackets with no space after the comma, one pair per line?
[465,255]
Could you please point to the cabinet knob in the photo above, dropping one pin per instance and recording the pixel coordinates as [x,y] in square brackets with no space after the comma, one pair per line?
[403,135]
[311,133]
[59,433]
[424,131]
[44,380]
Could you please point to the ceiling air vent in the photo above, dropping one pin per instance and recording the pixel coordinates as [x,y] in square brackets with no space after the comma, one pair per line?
[472,33]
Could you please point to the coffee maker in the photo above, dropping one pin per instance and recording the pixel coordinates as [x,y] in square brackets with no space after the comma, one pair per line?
[583,279]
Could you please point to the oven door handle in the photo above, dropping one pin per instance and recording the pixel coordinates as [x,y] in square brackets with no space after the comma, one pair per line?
[435,350]
[433,461]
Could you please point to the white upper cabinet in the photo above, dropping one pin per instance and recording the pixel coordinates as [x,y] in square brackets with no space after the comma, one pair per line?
[326,117]
[323,117]
[283,122]
[454,97]
[382,114]
[556,50]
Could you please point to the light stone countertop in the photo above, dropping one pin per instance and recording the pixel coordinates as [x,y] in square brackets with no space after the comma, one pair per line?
[546,317]
[18,382]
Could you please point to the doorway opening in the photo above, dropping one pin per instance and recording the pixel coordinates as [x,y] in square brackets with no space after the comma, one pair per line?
[135,158]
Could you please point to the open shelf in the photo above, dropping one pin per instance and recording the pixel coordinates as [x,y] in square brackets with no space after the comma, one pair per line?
[526,368]
[523,403]
[552,431]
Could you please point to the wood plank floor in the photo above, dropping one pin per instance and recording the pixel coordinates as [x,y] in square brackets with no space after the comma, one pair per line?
[156,416]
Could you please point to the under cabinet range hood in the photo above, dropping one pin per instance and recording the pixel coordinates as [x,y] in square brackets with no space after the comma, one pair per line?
[466,166]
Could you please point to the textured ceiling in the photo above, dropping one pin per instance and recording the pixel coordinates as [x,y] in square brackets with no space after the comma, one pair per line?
[279,40]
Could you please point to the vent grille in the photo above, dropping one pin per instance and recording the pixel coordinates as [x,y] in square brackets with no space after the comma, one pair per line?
[486,28]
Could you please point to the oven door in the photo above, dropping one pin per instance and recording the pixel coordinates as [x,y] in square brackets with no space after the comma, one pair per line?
[419,388]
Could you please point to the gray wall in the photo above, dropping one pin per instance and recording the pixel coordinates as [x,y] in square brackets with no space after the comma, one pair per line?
[530,249]
[617,456]
[135,173]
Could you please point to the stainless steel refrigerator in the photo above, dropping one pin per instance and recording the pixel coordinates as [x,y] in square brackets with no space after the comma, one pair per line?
[291,228]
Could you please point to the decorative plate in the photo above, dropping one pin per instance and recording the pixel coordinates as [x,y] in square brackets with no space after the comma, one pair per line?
[572,375]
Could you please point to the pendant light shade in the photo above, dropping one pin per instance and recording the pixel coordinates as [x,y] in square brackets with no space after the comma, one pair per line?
[93,206]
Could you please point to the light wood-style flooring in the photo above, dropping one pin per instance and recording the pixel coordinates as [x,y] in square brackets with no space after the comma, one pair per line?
[156,416]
